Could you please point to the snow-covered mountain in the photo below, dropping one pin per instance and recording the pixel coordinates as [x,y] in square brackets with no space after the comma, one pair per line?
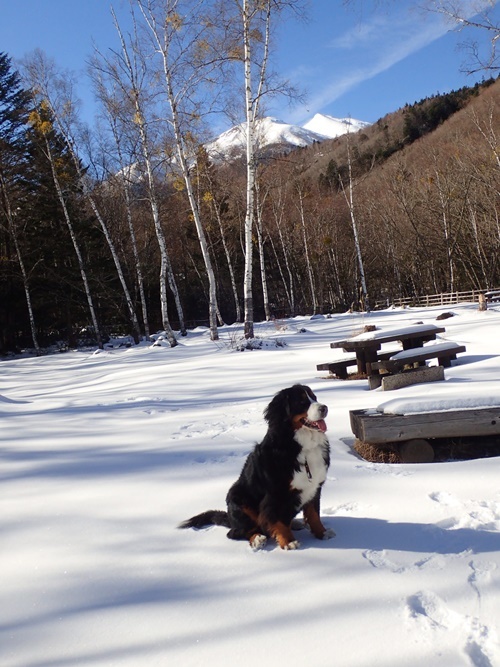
[269,132]
[276,134]
[273,135]
[331,127]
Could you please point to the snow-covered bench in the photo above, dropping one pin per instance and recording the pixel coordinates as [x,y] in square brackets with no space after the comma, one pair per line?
[493,296]
[412,426]
[339,367]
[444,352]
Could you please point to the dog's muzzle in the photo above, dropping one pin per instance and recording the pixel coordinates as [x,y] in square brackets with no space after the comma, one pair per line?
[315,419]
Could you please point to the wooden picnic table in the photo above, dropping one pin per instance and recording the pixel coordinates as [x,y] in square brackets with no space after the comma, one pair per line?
[367,345]
[493,296]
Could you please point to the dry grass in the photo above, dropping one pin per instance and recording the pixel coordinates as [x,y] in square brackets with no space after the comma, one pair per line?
[376,454]
[446,449]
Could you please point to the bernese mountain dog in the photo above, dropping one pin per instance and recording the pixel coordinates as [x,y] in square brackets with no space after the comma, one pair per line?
[282,475]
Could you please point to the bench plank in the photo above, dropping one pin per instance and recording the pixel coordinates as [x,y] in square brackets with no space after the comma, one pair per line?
[443,352]
[377,428]
[339,367]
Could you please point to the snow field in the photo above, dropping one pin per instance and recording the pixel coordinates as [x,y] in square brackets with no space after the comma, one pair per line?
[103,454]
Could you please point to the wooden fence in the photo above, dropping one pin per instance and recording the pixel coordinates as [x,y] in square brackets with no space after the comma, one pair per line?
[447,299]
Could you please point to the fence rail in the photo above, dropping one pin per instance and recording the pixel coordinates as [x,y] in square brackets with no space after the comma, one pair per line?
[446,299]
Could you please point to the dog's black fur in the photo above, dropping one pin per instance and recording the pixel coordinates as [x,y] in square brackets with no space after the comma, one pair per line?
[281,476]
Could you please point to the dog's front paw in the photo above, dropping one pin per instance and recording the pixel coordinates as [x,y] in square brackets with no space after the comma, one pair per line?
[328,534]
[258,541]
[294,544]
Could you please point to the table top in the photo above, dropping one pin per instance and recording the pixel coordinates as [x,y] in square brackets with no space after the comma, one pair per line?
[380,336]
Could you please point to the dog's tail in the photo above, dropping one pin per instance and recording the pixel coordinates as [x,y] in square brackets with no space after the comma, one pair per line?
[210,518]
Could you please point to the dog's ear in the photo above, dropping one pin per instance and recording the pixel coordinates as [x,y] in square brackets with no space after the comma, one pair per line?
[278,410]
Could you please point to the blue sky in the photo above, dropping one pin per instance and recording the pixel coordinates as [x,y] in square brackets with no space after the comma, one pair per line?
[359,62]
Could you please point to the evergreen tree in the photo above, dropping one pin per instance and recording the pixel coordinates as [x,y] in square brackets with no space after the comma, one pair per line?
[14,104]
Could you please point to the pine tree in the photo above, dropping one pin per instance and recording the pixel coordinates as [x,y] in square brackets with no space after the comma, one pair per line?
[14,105]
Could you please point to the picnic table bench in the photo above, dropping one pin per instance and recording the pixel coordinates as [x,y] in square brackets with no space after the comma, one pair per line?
[366,346]
[414,436]
[443,352]
[339,367]
[493,296]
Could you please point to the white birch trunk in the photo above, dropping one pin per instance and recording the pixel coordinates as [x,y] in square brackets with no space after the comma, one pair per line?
[252,102]
[133,239]
[130,305]
[310,272]
[166,272]
[70,144]
[250,182]
[24,273]
[290,291]
[76,246]
[262,259]
[443,200]
[162,40]
[212,286]
[349,197]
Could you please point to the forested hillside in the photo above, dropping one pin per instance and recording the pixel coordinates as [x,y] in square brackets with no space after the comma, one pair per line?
[407,206]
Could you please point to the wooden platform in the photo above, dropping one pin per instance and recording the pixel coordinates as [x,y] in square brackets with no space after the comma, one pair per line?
[414,435]
[375,427]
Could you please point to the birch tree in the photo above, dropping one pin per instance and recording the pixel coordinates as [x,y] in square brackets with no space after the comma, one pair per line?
[57,93]
[217,201]
[252,12]
[260,203]
[184,41]
[348,192]
[301,194]
[40,120]
[111,106]
[253,23]
[278,210]
[128,72]
[474,18]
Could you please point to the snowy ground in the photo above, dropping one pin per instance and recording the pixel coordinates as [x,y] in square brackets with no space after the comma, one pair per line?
[102,454]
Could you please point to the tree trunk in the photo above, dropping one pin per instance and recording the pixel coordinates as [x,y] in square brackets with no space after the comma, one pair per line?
[128,207]
[13,232]
[166,272]
[349,197]
[262,260]
[306,252]
[74,240]
[229,263]
[161,37]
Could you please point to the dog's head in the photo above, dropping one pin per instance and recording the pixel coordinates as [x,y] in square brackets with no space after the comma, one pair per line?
[299,406]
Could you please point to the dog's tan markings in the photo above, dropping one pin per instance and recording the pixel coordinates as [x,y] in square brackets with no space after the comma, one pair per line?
[283,535]
[298,421]
[312,519]
[257,541]
[252,514]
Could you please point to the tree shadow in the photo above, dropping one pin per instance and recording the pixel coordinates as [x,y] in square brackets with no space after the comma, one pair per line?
[366,533]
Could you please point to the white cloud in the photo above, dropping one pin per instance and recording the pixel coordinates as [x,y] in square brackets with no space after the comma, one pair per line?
[373,47]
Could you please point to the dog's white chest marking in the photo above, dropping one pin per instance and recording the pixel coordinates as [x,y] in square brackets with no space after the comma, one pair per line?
[313,469]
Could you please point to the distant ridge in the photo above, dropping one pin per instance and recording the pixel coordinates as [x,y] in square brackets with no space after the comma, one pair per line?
[274,133]
[272,136]
[331,127]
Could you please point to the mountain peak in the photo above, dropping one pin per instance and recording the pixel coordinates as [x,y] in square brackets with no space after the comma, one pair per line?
[273,132]
[331,127]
